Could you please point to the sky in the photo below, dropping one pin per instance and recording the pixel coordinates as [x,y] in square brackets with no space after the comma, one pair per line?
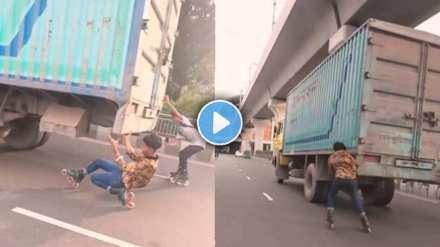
[243,29]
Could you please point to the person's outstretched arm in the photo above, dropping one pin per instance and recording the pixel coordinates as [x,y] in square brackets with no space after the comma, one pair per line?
[172,107]
[127,143]
[119,159]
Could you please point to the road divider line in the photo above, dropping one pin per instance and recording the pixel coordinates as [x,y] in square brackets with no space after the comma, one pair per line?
[267,196]
[248,178]
[73,228]
[161,176]
[195,162]
[417,197]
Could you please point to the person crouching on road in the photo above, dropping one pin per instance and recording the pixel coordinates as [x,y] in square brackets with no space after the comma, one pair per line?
[344,166]
[190,134]
[120,177]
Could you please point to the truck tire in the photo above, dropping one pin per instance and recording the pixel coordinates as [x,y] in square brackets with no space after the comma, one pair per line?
[281,171]
[314,190]
[25,134]
[380,194]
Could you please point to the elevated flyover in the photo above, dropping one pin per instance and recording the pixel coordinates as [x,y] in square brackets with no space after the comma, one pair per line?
[301,36]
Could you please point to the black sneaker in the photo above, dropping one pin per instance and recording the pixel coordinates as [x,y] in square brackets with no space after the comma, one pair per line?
[180,178]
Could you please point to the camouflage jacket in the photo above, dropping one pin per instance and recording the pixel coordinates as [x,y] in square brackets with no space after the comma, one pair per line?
[343,164]
[138,172]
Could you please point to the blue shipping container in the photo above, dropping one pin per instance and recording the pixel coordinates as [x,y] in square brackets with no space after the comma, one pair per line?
[85,47]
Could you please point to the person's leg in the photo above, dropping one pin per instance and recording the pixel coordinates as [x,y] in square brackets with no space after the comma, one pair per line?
[101,164]
[331,197]
[184,155]
[333,191]
[358,203]
[353,190]
[107,180]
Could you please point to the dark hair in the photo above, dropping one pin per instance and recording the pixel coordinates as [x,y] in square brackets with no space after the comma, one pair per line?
[337,146]
[152,140]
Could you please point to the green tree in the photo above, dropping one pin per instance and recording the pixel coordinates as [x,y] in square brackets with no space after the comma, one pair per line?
[191,83]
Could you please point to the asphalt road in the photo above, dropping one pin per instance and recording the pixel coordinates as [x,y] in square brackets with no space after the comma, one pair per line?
[165,214]
[252,210]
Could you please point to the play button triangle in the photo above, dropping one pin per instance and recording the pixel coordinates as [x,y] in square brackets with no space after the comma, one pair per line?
[219,123]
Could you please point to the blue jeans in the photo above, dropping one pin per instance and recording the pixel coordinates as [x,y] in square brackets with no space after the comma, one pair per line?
[351,186]
[112,178]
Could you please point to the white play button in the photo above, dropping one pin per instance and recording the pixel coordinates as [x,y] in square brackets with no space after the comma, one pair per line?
[219,123]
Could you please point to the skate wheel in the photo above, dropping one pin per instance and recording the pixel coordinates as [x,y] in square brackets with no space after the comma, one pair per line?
[130,196]
[173,180]
[64,172]
[130,205]
[76,186]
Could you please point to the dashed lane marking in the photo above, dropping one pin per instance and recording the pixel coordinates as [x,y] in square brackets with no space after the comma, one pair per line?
[73,228]
[161,176]
[267,196]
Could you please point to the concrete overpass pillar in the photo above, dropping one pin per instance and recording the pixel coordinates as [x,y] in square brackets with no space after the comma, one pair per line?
[263,135]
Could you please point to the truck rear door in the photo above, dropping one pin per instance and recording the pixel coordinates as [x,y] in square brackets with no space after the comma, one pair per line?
[430,114]
[390,95]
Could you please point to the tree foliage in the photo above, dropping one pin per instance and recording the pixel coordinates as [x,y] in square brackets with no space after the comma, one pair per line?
[191,82]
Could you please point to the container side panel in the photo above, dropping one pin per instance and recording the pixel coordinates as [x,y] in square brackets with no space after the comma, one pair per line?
[77,46]
[324,108]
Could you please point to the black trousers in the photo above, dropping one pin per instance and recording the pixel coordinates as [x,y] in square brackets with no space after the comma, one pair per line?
[185,154]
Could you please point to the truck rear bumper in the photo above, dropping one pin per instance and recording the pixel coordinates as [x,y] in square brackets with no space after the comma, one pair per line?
[390,171]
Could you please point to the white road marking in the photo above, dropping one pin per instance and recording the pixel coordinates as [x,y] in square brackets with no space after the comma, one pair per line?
[73,228]
[195,162]
[417,197]
[161,176]
[248,178]
[267,196]
[240,170]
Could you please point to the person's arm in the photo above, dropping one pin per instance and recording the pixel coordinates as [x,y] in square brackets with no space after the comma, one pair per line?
[172,107]
[127,143]
[330,165]
[119,159]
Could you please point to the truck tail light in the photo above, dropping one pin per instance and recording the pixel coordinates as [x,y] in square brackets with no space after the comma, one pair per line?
[372,158]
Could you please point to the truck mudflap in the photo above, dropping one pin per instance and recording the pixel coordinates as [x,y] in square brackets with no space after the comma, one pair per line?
[69,121]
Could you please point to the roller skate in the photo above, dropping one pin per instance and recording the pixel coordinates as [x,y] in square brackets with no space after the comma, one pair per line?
[126,198]
[330,219]
[365,222]
[179,177]
[73,176]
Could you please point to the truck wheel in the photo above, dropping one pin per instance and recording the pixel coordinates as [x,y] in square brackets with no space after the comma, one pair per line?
[380,194]
[314,190]
[281,171]
[25,134]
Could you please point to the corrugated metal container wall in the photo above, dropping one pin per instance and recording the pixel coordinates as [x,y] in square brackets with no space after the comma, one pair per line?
[325,106]
[80,46]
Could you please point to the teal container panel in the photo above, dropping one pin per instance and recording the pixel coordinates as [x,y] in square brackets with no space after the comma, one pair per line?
[80,43]
[325,106]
